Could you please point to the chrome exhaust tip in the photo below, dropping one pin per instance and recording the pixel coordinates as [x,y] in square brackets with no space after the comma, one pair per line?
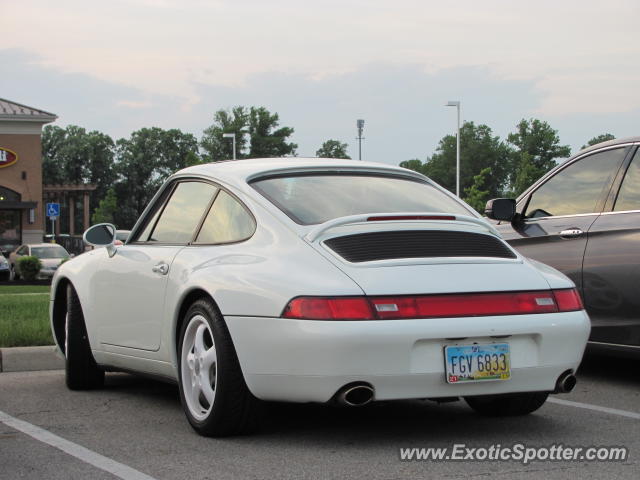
[355,395]
[566,382]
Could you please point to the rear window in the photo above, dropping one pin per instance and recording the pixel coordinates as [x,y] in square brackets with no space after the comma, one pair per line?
[317,198]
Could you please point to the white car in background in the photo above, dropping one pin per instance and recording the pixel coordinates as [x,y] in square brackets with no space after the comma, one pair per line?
[51,255]
[316,280]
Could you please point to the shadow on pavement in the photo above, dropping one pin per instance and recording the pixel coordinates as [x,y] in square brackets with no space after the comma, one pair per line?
[381,422]
[615,369]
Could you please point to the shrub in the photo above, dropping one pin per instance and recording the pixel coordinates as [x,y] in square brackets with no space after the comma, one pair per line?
[29,267]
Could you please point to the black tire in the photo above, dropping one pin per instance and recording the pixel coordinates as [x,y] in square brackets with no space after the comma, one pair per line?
[16,275]
[82,372]
[235,409]
[507,405]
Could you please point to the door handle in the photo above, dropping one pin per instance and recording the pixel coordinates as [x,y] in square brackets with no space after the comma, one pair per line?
[161,268]
[571,232]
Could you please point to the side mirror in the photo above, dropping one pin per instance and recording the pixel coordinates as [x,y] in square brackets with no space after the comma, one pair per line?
[101,235]
[501,209]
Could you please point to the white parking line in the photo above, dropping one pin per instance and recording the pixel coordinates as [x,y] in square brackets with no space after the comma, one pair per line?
[597,408]
[88,456]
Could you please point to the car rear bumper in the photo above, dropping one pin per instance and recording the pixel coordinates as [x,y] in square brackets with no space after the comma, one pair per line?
[310,360]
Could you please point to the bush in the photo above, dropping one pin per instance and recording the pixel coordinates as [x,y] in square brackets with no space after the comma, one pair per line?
[29,267]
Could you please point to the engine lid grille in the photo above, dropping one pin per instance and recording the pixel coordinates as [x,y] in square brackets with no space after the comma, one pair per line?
[372,246]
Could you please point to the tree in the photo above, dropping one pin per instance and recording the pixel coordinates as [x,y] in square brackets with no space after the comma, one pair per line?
[414,164]
[73,155]
[333,149]
[144,161]
[214,145]
[475,196]
[536,148]
[599,139]
[479,149]
[106,210]
[266,140]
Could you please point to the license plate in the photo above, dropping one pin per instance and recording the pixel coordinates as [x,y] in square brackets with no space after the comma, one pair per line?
[475,363]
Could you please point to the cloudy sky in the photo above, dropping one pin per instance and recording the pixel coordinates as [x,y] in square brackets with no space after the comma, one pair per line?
[126,64]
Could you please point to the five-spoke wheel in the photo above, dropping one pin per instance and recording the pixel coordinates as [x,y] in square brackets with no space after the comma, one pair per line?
[198,367]
[214,395]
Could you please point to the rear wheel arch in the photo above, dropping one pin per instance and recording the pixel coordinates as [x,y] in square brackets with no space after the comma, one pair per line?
[188,300]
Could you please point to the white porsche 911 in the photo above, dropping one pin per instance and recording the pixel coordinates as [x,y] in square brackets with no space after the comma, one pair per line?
[316,280]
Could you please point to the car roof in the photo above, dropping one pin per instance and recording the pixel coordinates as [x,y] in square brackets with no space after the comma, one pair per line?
[39,245]
[609,143]
[238,172]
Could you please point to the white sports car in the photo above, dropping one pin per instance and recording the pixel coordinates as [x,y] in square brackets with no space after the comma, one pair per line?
[316,280]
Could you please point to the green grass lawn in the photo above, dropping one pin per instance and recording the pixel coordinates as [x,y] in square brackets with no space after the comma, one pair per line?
[24,319]
[24,289]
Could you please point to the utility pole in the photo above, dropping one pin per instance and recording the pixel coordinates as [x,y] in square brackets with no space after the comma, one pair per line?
[360,124]
[456,103]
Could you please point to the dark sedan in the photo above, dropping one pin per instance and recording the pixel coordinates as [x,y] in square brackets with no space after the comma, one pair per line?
[583,218]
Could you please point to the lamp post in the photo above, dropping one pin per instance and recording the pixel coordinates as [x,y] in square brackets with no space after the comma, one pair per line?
[233,137]
[456,103]
[360,125]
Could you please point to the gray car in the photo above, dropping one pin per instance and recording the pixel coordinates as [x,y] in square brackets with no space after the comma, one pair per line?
[583,218]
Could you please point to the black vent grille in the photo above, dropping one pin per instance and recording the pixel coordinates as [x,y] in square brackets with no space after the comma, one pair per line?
[368,247]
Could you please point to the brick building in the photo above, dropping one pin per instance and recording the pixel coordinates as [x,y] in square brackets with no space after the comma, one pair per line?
[21,207]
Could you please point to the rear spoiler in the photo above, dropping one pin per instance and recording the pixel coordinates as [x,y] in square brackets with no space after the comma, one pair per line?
[318,230]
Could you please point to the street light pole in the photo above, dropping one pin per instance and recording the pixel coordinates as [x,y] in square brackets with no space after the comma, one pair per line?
[456,103]
[360,124]
[233,137]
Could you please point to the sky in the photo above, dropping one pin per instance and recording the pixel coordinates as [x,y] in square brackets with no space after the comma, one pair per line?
[122,65]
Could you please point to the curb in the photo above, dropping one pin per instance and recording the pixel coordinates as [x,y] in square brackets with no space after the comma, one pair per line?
[27,359]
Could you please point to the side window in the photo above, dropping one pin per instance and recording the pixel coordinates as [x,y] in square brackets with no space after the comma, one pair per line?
[227,221]
[629,195]
[23,250]
[577,188]
[182,213]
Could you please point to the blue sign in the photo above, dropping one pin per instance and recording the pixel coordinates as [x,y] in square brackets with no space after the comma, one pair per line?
[53,210]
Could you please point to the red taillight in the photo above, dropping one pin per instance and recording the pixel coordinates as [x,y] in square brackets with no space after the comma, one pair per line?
[339,308]
[433,306]
[568,300]
[470,305]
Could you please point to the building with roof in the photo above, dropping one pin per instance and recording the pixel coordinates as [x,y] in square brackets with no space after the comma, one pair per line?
[21,208]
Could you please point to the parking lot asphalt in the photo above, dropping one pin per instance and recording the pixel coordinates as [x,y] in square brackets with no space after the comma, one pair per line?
[135,428]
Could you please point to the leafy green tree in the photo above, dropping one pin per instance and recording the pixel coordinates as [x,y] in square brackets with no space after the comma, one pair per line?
[536,148]
[107,208]
[333,149]
[475,195]
[144,161]
[267,140]
[73,155]
[479,149]
[414,164]
[215,147]
[599,139]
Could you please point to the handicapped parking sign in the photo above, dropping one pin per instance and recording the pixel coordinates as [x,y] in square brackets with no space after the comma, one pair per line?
[53,210]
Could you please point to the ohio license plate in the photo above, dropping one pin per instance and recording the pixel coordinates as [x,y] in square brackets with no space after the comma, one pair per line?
[475,363]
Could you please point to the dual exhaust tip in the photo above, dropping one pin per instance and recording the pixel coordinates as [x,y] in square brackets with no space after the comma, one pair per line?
[566,382]
[355,395]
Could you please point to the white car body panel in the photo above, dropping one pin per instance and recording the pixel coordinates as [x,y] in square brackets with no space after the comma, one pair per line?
[131,313]
[136,319]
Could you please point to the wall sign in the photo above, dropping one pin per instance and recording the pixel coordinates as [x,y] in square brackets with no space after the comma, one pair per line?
[7,157]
